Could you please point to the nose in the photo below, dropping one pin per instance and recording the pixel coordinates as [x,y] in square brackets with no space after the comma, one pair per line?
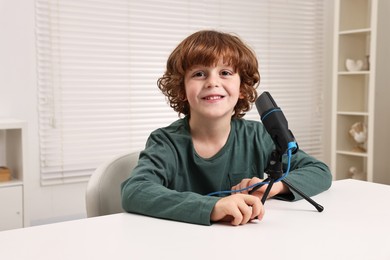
[212,80]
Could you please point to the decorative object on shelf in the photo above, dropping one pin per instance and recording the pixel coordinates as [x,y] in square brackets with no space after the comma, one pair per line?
[354,173]
[358,132]
[368,62]
[354,65]
[5,174]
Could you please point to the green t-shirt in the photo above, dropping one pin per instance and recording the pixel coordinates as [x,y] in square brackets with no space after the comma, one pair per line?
[171,181]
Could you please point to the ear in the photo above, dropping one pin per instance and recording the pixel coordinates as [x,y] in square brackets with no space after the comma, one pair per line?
[241,96]
[183,95]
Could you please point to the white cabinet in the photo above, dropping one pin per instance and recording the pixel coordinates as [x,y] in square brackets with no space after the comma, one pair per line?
[13,212]
[360,90]
[11,207]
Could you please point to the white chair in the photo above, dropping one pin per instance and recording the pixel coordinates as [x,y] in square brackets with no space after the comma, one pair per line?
[103,195]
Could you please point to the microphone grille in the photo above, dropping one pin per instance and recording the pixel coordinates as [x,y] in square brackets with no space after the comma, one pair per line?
[265,102]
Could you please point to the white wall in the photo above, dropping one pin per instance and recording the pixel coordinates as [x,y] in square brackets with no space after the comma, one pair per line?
[18,99]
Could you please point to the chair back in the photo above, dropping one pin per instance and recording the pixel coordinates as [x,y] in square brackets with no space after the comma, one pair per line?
[103,195]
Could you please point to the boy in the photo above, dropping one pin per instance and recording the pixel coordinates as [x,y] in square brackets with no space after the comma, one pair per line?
[211,78]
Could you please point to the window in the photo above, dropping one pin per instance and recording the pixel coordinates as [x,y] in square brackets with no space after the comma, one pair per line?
[99,61]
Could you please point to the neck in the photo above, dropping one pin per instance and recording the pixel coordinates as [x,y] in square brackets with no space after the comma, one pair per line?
[209,136]
[209,127]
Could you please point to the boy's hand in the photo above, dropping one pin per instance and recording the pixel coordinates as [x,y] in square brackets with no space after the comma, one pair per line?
[239,209]
[277,188]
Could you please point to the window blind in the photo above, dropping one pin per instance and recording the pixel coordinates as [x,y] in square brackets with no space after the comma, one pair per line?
[99,61]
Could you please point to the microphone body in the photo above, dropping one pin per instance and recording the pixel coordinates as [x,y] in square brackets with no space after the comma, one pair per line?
[275,123]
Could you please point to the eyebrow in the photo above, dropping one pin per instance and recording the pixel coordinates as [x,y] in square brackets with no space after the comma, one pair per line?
[194,67]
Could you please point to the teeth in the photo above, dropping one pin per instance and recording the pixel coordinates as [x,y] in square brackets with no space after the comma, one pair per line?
[213,97]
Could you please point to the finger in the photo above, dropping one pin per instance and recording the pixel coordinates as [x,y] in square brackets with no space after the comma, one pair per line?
[237,216]
[257,207]
[246,211]
[242,185]
[260,190]
[235,187]
[261,214]
[254,181]
[258,210]
[239,185]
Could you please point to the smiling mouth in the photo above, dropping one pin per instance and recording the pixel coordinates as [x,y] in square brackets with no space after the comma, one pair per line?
[213,97]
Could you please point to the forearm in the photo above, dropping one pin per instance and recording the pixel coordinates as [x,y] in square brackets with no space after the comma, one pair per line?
[144,197]
[309,176]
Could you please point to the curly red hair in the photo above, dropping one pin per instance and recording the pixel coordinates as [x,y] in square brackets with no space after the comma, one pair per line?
[206,48]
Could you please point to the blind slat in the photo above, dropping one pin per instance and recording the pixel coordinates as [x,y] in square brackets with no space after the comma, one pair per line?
[99,61]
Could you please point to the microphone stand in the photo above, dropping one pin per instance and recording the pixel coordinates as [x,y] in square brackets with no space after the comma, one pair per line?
[274,172]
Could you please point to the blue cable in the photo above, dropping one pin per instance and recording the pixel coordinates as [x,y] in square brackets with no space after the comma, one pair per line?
[292,146]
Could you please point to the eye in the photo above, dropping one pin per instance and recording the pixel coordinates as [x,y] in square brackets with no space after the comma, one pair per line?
[226,73]
[198,74]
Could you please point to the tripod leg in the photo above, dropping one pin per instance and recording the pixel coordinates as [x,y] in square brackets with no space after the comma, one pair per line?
[258,186]
[267,190]
[312,202]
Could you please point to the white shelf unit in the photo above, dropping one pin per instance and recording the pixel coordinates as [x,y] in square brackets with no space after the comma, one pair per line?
[13,212]
[355,98]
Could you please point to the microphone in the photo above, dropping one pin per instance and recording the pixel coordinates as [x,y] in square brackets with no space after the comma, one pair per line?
[275,123]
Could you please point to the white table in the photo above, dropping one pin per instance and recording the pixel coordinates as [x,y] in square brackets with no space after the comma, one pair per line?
[354,225]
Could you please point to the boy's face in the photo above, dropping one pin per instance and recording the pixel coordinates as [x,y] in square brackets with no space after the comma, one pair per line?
[212,92]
